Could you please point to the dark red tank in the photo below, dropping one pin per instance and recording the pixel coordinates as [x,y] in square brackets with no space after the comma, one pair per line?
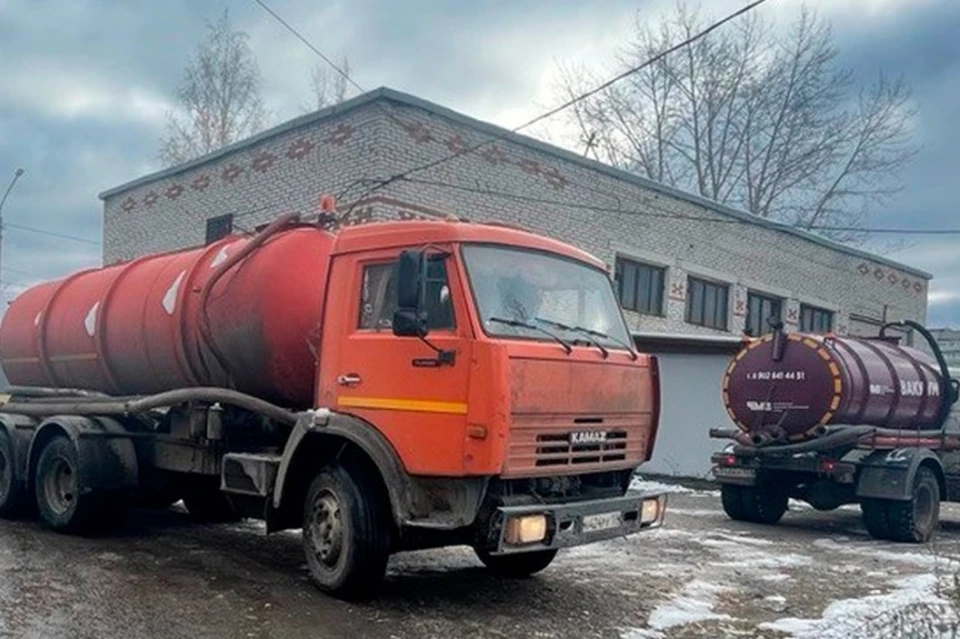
[818,381]
[134,328]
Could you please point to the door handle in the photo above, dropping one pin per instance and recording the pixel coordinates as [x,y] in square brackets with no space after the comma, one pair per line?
[349,379]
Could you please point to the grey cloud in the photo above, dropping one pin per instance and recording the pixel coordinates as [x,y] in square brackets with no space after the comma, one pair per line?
[80,108]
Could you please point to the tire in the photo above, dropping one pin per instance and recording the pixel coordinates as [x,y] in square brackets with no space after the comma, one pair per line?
[763,504]
[207,505]
[915,520]
[13,494]
[731,496]
[759,504]
[61,505]
[346,533]
[875,518]
[518,565]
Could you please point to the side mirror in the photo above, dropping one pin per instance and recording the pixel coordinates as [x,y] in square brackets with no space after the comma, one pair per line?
[408,322]
[410,279]
[408,319]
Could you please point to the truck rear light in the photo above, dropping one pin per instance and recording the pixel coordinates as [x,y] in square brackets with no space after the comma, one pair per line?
[526,529]
[651,511]
[728,460]
[828,466]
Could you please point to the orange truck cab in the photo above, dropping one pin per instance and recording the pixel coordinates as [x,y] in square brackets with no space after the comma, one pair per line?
[474,384]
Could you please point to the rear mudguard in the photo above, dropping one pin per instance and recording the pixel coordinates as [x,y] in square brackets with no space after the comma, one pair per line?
[889,474]
[105,453]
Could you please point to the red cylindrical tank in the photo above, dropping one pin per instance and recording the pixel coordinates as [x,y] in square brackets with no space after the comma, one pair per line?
[135,328]
[817,381]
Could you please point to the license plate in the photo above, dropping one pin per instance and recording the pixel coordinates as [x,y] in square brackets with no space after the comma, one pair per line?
[734,473]
[605,521]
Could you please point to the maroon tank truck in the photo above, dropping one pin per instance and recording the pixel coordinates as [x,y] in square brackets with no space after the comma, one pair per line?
[836,420]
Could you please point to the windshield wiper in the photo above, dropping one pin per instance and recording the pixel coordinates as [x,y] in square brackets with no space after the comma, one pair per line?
[576,329]
[521,324]
[619,342]
[589,331]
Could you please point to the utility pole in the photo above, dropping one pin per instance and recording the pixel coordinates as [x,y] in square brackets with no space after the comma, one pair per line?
[16,176]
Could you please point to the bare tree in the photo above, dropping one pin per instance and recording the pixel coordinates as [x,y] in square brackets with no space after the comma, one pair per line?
[327,87]
[219,101]
[753,117]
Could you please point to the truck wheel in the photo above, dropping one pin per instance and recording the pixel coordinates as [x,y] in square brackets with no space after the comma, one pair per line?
[915,520]
[13,494]
[732,498]
[60,502]
[875,518]
[346,533]
[207,505]
[763,504]
[518,565]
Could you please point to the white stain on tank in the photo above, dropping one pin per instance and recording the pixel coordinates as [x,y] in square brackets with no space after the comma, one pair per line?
[170,299]
[90,321]
[220,258]
[36,320]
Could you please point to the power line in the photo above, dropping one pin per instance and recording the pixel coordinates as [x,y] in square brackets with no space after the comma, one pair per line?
[567,104]
[664,214]
[310,45]
[63,236]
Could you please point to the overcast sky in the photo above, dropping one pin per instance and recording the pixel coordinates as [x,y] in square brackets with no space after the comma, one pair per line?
[85,84]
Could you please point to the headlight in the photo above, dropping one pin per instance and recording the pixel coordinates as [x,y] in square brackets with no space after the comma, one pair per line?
[526,529]
[650,511]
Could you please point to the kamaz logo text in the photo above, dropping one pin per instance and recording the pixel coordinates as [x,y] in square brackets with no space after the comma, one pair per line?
[580,438]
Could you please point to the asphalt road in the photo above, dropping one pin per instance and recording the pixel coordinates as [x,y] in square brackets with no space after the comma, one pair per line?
[700,576]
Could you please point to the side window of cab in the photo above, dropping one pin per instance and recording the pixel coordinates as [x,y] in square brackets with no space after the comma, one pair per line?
[378,297]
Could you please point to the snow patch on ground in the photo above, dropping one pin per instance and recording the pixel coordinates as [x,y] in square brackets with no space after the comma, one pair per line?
[691,605]
[927,560]
[658,487]
[692,512]
[854,617]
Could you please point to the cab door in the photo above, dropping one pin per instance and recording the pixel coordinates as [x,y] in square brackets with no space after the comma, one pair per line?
[398,384]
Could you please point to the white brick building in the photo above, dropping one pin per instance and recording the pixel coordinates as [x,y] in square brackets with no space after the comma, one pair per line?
[687,264]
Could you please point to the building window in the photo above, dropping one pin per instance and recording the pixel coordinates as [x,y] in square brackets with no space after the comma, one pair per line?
[219,227]
[707,303]
[760,309]
[640,286]
[815,320]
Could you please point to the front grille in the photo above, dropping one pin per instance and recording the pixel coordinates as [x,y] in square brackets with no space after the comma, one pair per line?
[555,449]
[541,445]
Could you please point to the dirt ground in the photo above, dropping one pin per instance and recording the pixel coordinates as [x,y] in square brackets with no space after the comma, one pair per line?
[815,575]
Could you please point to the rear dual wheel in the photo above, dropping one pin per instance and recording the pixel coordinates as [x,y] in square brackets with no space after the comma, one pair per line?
[760,504]
[62,503]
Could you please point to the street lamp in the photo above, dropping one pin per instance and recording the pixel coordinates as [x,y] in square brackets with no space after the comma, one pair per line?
[16,176]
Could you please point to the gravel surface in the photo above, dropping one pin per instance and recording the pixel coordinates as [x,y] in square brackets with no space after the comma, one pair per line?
[814,575]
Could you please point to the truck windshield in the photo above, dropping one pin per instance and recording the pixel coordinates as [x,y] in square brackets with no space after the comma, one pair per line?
[519,293]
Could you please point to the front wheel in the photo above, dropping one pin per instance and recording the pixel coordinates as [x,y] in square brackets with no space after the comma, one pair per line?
[518,565]
[346,533]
